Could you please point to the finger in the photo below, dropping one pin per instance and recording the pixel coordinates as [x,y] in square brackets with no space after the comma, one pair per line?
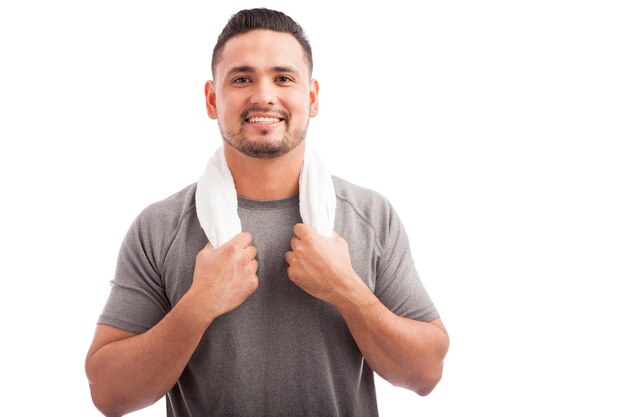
[208,247]
[291,273]
[301,230]
[289,256]
[255,266]
[295,242]
[250,252]
[241,240]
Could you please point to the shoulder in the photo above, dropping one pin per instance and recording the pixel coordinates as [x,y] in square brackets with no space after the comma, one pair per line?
[166,215]
[357,203]
[356,194]
[366,202]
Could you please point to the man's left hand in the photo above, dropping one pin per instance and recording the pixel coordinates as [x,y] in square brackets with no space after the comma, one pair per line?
[320,265]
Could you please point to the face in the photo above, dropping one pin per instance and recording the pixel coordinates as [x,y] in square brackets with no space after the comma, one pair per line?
[262,95]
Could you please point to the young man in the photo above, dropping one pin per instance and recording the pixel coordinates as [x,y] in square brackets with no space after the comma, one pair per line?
[280,319]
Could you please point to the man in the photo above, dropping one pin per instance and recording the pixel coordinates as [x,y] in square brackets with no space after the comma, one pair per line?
[280,320]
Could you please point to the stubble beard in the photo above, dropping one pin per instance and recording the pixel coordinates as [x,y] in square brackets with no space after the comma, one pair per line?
[264,146]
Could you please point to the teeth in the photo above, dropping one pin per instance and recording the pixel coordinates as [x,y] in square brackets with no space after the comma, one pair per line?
[263,120]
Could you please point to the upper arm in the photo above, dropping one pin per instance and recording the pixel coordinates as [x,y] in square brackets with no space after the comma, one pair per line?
[138,299]
[398,285]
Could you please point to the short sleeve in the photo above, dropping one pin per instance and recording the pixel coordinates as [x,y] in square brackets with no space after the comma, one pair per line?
[138,299]
[398,285]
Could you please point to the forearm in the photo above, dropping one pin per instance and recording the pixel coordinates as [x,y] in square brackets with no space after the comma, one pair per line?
[405,352]
[132,373]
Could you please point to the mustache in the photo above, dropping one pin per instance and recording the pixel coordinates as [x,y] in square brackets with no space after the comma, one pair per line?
[268,110]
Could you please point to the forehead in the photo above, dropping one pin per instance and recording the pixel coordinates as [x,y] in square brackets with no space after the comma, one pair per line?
[261,50]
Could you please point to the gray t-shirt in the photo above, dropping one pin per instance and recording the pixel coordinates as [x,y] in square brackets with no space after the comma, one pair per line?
[282,352]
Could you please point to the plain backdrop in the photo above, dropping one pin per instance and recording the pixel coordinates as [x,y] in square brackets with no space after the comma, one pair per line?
[497,130]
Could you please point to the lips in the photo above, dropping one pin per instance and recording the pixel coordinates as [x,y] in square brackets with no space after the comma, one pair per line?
[263,119]
[264,115]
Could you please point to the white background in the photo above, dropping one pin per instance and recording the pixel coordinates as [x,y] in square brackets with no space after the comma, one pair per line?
[497,130]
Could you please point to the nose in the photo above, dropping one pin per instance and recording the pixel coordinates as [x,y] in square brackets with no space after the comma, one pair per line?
[263,93]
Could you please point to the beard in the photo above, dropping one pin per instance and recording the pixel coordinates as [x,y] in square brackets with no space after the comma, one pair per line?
[265,146]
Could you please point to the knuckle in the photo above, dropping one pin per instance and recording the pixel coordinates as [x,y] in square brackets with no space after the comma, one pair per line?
[244,238]
[201,255]
[254,283]
[230,250]
[291,273]
[241,261]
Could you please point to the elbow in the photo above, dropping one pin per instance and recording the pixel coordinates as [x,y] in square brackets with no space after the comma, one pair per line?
[422,384]
[112,403]
[103,394]
[104,399]
[98,398]
[426,388]
[102,404]
[427,383]
[429,379]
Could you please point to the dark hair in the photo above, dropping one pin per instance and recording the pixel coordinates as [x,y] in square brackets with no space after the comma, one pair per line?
[246,20]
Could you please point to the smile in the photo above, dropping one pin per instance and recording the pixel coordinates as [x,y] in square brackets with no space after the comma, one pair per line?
[263,120]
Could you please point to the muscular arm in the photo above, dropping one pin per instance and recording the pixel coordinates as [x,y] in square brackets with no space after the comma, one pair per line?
[405,352]
[127,372]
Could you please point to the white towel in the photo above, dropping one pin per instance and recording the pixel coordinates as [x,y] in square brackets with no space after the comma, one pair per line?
[216,198]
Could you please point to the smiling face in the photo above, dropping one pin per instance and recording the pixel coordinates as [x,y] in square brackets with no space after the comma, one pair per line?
[262,95]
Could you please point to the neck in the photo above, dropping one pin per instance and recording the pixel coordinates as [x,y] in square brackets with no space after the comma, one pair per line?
[265,179]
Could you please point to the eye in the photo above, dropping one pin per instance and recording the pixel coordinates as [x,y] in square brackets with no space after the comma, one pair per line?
[241,80]
[284,79]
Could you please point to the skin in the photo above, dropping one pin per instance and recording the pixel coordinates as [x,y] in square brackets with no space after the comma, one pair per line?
[405,352]
[261,73]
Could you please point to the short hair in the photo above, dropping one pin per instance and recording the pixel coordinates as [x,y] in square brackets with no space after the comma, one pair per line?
[247,20]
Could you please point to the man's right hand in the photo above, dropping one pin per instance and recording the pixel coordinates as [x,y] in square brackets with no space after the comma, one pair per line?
[121,365]
[224,277]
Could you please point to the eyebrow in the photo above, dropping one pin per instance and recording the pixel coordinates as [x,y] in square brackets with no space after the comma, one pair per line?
[284,69]
[247,69]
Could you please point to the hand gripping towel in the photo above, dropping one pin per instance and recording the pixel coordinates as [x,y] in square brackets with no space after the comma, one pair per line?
[216,198]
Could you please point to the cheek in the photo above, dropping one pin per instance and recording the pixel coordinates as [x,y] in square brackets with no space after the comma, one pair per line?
[298,104]
[228,110]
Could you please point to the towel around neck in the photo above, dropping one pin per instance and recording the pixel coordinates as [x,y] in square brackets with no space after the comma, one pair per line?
[216,198]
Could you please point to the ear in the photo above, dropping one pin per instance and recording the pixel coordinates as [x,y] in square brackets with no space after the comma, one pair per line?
[313,97]
[209,94]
